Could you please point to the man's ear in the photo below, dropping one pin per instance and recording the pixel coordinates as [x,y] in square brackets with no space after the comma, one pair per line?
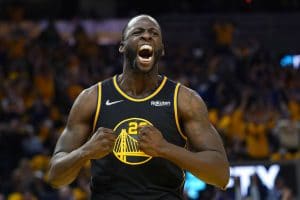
[121,47]
[163,51]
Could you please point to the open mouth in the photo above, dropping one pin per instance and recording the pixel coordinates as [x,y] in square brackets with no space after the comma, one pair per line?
[145,53]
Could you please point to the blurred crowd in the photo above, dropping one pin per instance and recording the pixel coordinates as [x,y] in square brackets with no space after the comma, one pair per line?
[253,102]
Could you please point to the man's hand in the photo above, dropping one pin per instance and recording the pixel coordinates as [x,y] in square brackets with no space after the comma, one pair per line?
[151,140]
[100,144]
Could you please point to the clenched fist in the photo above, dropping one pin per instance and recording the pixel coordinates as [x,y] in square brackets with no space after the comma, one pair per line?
[100,144]
[150,140]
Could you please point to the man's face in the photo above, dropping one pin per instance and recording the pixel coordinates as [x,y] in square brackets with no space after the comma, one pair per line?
[142,43]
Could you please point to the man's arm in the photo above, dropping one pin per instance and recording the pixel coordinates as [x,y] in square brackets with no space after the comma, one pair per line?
[209,161]
[73,150]
[206,157]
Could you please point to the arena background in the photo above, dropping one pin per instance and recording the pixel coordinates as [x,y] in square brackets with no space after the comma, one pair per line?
[241,56]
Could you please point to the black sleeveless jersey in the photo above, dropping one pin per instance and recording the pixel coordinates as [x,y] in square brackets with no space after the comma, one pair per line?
[129,173]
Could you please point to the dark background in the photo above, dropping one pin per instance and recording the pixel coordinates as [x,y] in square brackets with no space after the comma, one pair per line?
[67,9]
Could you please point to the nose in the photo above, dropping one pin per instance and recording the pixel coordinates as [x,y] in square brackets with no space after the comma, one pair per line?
[146,35]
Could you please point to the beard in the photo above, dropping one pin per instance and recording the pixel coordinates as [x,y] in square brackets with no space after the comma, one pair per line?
[131,57]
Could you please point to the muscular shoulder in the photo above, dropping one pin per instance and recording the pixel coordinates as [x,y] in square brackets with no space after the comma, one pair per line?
[90,92]
[190,104]
[85,104]
[88,96]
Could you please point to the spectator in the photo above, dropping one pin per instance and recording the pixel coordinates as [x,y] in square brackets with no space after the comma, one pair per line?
[41,73]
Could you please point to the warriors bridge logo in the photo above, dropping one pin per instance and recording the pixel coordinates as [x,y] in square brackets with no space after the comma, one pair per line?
[126,147]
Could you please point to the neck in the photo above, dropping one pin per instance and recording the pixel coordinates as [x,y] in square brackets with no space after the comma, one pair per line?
[137,84]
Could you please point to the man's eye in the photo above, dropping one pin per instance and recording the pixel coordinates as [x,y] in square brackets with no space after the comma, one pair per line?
[136,32]
[155,33]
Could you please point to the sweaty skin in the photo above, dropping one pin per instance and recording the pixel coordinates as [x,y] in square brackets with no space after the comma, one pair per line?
[205,157]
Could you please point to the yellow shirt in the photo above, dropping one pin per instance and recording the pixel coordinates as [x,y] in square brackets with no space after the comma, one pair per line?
[256,140]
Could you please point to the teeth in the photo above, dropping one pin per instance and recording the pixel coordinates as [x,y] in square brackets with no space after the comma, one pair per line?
[145,59]
[146,46]
[150,49]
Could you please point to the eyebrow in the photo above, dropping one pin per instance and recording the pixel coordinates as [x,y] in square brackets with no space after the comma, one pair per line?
[131,29]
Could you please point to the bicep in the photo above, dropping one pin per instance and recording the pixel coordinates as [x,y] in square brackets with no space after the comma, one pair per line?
[78,127]
[200,132]
[203,137]
[72,138]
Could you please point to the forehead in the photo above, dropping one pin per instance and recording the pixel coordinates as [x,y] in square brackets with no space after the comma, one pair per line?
[142,22]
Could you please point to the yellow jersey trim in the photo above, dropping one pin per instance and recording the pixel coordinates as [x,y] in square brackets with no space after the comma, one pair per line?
[98,106]
[142,99]
[176,112]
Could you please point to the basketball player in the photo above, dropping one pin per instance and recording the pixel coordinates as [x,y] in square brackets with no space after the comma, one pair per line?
[139,129]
